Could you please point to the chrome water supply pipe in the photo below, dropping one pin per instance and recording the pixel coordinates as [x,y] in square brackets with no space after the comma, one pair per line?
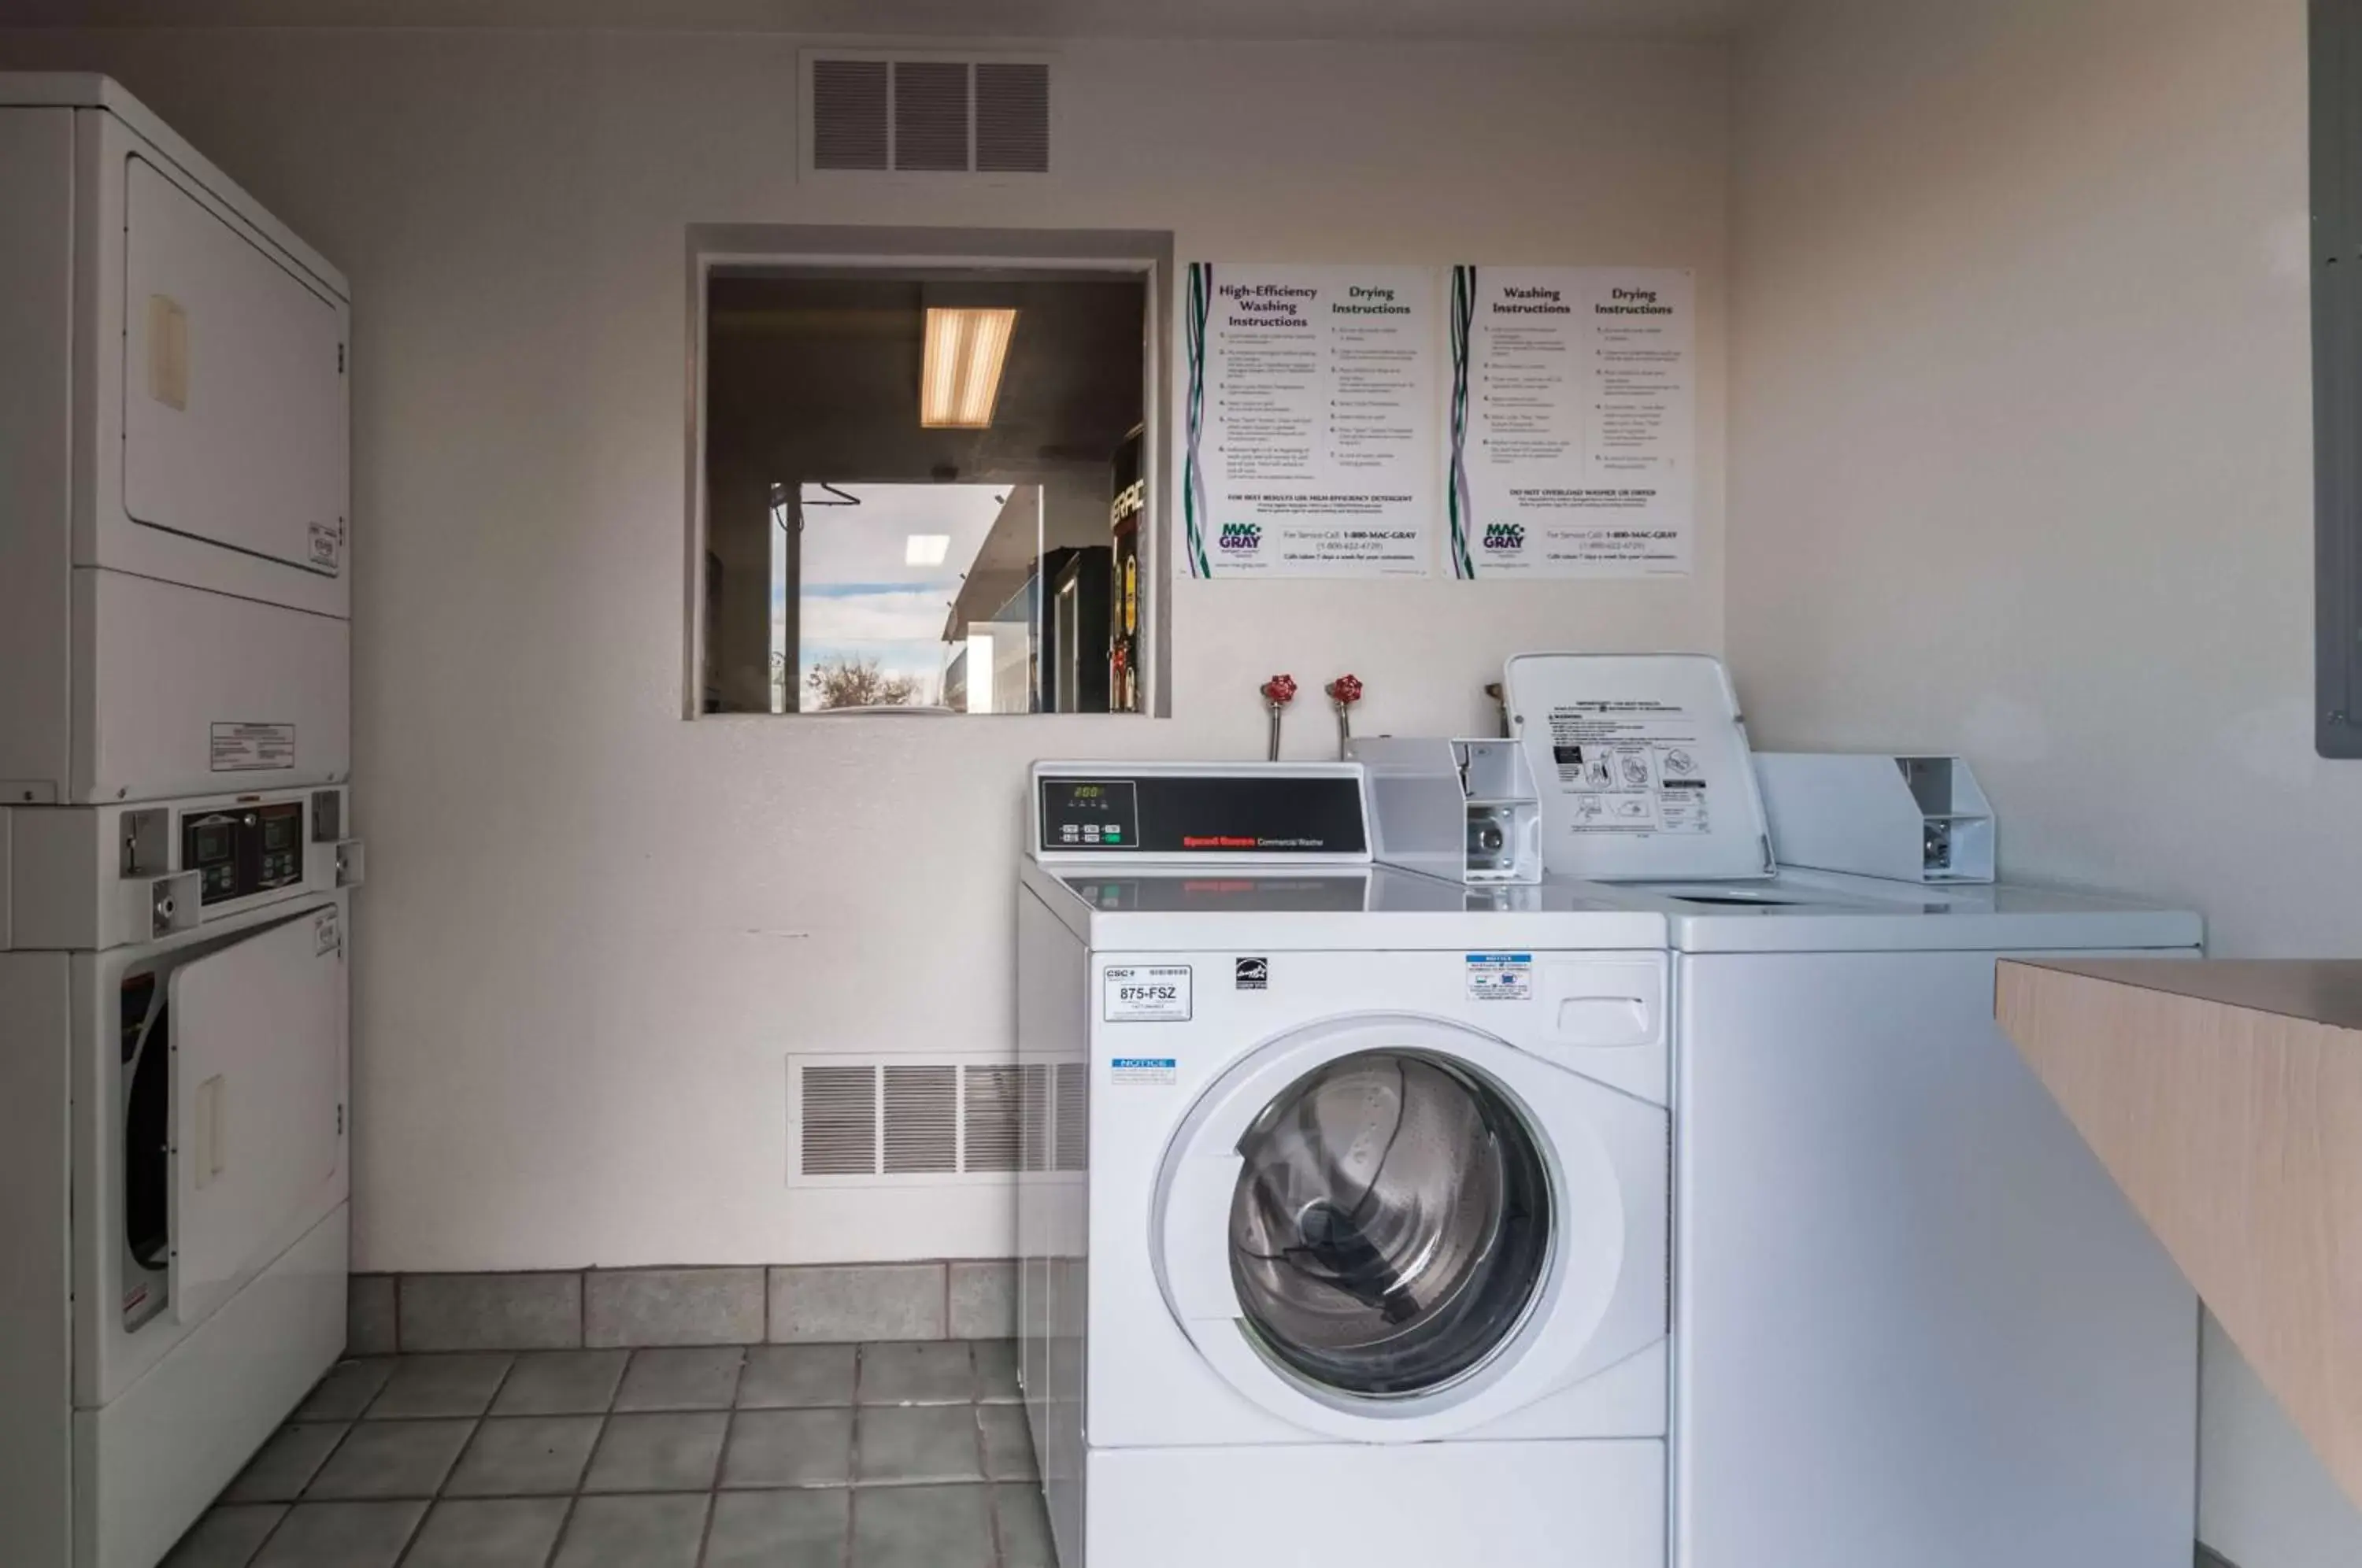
[1277,693]
[1343,692]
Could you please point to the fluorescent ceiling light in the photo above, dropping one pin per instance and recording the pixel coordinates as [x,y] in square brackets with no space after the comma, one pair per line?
[961,379]
[926,550]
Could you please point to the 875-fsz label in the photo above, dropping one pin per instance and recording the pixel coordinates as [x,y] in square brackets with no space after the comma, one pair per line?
[1146,993]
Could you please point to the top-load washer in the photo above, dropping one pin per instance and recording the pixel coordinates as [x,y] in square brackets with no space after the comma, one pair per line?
[174,528]
[1913,1319]
[1345,1224]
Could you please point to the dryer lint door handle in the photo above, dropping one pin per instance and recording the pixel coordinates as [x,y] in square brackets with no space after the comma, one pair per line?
[211,1160]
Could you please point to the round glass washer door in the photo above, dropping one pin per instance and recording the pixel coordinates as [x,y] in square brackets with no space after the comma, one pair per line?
[1390,1224]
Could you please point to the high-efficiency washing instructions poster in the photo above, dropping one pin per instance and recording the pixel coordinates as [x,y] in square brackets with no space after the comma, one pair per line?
[1572,440]
[1312,442]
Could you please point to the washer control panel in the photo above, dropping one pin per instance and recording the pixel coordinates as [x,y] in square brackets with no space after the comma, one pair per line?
[244,849]
[1171,811]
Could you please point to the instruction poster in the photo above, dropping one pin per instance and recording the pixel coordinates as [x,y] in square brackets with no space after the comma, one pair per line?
[1572,440]
[1312,444]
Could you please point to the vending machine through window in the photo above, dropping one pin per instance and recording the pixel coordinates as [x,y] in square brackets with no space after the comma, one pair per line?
[1126,693]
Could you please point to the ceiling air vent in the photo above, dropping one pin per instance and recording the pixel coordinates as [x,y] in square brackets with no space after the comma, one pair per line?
[890,1119]
[894,114]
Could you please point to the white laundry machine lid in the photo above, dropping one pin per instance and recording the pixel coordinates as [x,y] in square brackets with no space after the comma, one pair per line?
[1642,763]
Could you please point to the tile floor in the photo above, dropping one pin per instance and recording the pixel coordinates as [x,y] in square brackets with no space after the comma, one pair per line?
[893,1455]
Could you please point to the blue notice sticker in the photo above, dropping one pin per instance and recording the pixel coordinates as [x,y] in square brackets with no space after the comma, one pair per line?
[1500,976]
[1143,1069]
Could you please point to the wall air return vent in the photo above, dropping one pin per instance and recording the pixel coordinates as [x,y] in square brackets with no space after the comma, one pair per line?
[891,1119]
[926,114]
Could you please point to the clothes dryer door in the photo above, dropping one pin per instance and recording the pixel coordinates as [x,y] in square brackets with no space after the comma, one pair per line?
[257,1100]
[1395,1228]
[234,424]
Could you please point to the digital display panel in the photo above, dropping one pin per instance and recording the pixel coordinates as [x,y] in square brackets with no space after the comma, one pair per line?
[252,851]
[1183,816]
[1090,813]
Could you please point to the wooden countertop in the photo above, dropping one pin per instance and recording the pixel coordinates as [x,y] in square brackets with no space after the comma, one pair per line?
[2226,1098]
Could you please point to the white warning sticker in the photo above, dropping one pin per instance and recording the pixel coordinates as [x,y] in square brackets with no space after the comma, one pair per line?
[1147,994]
[1500,976]
[252,748]
[327,547]
[1630,767]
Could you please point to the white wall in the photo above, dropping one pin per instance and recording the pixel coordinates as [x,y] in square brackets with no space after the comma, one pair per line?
[593,931]
[2020,467]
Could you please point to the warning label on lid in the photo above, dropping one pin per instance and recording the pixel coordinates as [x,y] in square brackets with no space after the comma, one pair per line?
[1631,766]
[252,748]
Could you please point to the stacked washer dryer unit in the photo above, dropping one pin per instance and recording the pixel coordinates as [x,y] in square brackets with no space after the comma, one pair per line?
[1344,1238]
[174,823]
[1915,1322]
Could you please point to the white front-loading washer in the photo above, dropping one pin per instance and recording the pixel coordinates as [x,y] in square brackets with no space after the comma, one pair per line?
[1350,1243]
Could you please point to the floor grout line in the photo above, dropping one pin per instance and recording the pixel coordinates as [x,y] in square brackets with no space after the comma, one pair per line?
[853,1457]
[863,1367]
[984,1463]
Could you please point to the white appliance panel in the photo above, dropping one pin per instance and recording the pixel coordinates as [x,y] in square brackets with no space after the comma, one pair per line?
[172,412]
[268,702]
[1148,1383]
[257,1088]
[1591,1305]
[147,1464]
[37,1348]
[125,1207]
[1586,1504]
[36,448]
[232,385]
[1641,764]
[1915,1320]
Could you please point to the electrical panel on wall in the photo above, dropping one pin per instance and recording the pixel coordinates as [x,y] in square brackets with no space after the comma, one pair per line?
[902,112]
[175,528]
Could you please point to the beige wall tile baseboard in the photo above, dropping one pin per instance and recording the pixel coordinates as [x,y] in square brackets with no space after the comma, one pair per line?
[956,1298]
